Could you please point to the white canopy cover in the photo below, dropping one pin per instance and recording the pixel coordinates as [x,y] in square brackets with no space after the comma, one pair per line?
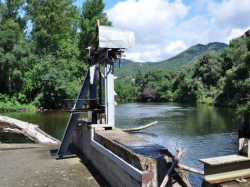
[116,38]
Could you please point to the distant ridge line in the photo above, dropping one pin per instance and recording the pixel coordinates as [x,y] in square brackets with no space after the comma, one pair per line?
[186,57]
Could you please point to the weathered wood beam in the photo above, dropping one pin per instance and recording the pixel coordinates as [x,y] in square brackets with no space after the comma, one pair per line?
[140,128]
[193,170]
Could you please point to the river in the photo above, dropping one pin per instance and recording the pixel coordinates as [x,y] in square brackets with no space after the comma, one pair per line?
[205,131]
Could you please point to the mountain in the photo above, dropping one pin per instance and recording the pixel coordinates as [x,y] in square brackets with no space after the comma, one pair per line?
[190,55]
[130,68]
[123,62]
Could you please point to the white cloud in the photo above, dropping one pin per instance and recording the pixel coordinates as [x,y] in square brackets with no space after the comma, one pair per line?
[151,21]
[200,5]
[229,19]
[175,47]
[193,29]
[231,14]
[164,29]
[146,17]
[146,56]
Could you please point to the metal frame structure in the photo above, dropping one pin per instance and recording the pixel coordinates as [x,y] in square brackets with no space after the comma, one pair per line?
[104,51]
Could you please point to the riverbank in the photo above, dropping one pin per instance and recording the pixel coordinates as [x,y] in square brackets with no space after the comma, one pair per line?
[32,165]
[14,105]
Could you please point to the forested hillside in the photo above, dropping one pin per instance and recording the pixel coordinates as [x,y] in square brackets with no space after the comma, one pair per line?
[42,50]
[187,57]
[216,78]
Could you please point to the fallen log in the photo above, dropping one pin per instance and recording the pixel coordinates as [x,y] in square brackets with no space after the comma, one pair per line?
[140,128]
[193,170]
[29,130]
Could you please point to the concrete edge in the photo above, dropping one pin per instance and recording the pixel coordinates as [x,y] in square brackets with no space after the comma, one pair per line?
[5,146]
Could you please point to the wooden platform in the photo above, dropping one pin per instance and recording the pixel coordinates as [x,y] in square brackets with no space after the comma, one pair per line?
[226,168]
[235,183]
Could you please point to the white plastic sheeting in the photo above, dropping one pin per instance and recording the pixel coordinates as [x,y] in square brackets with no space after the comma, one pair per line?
[118,38]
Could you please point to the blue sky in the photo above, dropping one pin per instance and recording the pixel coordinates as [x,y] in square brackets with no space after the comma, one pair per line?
[164,28]
[109,3]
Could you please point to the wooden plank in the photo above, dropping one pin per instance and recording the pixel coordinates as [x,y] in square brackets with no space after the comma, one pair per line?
[209,170]
[224,160]
[235,183]
[226,168]
[227,176]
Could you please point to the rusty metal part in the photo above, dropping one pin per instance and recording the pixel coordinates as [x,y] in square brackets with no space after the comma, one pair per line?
[146,177]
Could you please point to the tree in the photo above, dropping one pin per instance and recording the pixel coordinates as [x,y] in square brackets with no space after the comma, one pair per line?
[91,11]
[15,54]
[155,85]
[126,90]
[56,73]
[139,78]
[235,83]
[208,68]
[54,24]
[149,93]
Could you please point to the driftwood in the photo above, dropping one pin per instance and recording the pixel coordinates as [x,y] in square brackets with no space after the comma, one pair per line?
[31,131]
[177,159]
[140,128]
[193,170]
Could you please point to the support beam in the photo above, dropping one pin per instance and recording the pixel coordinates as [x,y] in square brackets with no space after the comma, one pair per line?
[109,94]
[93,91]
[74,117]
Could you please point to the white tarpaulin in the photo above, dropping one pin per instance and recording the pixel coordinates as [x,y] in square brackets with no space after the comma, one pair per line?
[118,38]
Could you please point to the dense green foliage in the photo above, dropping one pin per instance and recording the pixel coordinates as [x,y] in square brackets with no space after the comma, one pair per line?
[42,44]
[216,78]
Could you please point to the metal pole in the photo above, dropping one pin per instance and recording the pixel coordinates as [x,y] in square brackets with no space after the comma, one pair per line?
[93,90]
[106,91]
[110,112]
[100,89]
